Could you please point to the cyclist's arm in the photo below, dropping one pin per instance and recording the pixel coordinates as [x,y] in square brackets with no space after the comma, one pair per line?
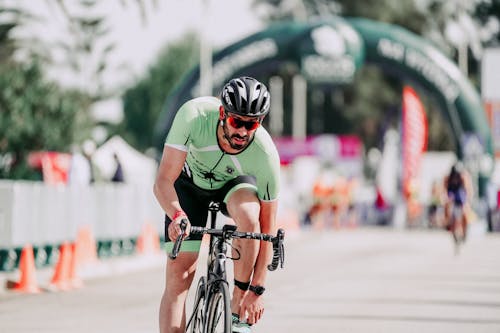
[268,226]
[169,170]
[268,175]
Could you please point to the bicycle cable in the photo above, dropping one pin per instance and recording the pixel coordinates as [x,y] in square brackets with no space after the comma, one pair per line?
[235,249]
[230,244]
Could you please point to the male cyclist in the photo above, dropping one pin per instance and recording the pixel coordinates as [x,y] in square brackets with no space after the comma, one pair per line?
[217,150]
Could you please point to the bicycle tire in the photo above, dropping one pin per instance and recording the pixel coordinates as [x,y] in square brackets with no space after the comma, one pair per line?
[219,317]
[195,323]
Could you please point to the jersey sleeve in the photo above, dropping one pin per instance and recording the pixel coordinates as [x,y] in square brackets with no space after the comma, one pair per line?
[268,177]
[180,134]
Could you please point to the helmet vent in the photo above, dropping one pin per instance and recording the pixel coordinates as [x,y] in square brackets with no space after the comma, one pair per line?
[233,99]
[253,106]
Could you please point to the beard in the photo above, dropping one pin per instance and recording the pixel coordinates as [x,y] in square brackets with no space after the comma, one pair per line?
[234,145]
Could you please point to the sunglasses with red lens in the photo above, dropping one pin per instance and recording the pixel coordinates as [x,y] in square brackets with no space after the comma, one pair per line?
[238,123]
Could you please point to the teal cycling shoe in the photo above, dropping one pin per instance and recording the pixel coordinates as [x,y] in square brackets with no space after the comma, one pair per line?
[239,327]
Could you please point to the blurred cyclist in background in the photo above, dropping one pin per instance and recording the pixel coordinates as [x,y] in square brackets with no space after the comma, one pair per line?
[457,185]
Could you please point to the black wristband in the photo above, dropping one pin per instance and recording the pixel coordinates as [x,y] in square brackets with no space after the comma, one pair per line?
[242,285]
[258,290]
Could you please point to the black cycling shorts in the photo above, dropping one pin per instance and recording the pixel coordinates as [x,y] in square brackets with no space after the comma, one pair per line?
[195,200]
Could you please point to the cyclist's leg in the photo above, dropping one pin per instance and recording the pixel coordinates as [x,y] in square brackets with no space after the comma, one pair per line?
[244,207]
[240,202]
[179,276]
[458,229]
[454,216]
[448,215]
[180,272]
[465,220]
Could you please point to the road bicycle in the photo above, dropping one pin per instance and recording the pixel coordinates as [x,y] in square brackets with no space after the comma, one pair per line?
[212,303]
[456,226]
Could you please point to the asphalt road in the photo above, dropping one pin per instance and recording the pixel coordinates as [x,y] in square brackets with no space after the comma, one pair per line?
[365,280]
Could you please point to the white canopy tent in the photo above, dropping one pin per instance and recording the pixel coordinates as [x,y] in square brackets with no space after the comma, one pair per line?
[137,167]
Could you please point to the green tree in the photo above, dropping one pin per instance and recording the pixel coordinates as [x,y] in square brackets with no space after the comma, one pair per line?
[83,50]
[143,102]
[9,19]
[35,115]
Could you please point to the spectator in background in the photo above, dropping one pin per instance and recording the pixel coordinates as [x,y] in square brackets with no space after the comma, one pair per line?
[435,212]
[382,208]
[320,213]
[413,206]
[89,148]
[118,175]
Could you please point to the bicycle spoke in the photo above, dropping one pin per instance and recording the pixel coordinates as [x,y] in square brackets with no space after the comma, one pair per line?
[195,324]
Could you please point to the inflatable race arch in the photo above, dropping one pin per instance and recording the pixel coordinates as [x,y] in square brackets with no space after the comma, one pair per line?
[330,52]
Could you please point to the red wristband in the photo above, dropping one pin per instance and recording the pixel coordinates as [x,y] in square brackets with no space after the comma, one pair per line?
[177,214]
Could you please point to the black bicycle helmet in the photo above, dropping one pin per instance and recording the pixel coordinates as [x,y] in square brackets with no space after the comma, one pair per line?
[246,96]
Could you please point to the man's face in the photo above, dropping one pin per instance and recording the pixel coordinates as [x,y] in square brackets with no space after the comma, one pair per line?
[239,130]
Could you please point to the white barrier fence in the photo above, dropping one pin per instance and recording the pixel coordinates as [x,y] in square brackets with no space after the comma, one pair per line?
[37,214]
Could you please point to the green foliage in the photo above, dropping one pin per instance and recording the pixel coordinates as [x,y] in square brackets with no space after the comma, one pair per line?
[35,115]
[373,102]
[143,102]
[402,13]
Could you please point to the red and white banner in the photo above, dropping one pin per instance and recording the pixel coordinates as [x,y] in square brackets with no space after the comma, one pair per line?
[414,136]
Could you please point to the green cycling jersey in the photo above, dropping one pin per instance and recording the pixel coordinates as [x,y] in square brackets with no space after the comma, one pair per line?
[194,131]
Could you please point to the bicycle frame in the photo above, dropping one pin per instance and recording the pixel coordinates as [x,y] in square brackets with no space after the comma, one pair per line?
[216,267]
[213,288]
[456,216]
[216,259]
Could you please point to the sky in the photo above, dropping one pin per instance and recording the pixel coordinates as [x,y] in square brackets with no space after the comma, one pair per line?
[224,22]
[138,43]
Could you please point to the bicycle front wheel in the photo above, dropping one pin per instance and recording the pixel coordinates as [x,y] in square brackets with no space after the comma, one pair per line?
[197,317]
[219,309]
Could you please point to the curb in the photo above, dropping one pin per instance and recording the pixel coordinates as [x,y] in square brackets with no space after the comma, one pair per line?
[105,267]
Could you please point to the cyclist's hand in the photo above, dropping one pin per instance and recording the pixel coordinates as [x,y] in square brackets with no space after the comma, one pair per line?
[174,228]
[252,308]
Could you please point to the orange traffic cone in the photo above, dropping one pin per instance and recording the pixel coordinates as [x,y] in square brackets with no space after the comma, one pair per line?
[27,282]
[148,241]
[73,279]
[86,248]
[61,278]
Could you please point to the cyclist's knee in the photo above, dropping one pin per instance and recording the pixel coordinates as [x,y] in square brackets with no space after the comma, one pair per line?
[246,218]
[244,208]
[183,268]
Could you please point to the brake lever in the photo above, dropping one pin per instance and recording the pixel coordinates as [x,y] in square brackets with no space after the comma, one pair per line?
[178,241]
